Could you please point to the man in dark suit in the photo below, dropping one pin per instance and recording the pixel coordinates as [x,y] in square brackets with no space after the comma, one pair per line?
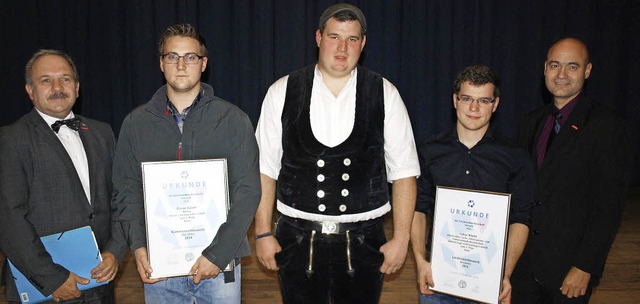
[55,175]
[582,152]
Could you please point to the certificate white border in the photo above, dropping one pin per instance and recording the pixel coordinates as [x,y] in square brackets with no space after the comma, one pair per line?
[215,196]
[469,242]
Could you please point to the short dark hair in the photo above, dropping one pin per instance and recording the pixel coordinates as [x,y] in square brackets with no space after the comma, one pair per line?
[343,12]
[182,30]
[43,52]
[477,75]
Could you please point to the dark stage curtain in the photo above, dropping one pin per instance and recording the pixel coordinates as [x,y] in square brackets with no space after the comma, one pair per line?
[418,45]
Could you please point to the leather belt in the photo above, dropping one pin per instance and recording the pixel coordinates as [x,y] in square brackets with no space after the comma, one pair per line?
[328,227]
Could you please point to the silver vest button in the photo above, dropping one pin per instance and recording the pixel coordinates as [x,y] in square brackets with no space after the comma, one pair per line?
[343,208]
[347,162]
[320,177]
[345,177]
[320,193]
[320,163]
[344,192]
[322,207]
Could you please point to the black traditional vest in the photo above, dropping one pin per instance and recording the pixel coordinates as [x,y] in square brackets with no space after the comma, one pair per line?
[346,179]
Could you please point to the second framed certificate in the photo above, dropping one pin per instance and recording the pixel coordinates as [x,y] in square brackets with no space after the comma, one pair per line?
[469,243]
[185,204]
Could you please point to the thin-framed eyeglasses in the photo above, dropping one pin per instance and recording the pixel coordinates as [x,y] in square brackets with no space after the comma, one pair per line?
[483,101]
[188,58]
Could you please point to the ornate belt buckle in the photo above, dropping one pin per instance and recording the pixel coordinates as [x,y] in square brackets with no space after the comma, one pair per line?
[330,227]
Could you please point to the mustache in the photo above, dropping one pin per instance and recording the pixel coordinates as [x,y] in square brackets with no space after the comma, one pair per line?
[58,95]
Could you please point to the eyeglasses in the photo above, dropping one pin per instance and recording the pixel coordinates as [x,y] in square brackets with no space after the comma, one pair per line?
[188,58]
[484,101]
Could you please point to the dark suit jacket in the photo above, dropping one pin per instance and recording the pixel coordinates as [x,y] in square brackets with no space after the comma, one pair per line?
[41,194]
[580,192]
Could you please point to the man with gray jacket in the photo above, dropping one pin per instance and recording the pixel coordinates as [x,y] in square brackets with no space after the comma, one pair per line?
[185,121]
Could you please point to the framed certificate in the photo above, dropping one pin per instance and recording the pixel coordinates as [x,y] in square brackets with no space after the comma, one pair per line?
[185,204]
[469,243]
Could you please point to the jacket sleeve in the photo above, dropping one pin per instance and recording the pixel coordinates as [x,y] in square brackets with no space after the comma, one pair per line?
[18,237]
[117,244]
[127,188]
[244,194]
[612,168]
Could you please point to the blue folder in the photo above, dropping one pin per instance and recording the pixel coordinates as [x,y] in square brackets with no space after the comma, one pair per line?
[75,250]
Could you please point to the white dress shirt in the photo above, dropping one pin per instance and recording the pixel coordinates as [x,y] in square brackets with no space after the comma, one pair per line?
[71,141]
[332,120]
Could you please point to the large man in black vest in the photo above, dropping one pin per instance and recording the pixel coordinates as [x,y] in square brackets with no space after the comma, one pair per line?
[332,135]
[582,152]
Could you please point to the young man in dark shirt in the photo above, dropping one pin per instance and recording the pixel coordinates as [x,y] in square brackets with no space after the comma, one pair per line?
[471,155]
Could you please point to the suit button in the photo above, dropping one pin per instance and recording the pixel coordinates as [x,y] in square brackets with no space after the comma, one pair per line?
[535,231]
[537,203]
[91,216]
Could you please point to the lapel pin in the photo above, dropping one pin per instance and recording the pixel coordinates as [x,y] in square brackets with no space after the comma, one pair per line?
[574,127]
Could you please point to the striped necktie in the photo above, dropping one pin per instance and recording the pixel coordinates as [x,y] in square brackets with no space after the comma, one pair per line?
[557,121]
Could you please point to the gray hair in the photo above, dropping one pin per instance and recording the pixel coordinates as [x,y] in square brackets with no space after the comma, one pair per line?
[40,53]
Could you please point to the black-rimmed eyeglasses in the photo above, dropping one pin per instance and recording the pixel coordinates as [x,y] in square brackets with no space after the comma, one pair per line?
[188,58]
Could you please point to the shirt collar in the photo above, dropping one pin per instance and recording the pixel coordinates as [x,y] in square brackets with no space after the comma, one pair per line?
[173,108]
[568,108]
[354,75]
[51,120]
[453,135]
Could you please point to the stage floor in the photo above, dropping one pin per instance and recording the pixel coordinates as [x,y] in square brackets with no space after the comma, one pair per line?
[620,284]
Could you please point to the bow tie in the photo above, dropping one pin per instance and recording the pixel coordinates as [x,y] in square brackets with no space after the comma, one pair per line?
[72,123]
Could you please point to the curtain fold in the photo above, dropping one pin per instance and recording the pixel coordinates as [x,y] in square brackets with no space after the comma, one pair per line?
[419,45]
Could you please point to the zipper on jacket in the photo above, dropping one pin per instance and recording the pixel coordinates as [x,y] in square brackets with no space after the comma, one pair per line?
[180,151]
